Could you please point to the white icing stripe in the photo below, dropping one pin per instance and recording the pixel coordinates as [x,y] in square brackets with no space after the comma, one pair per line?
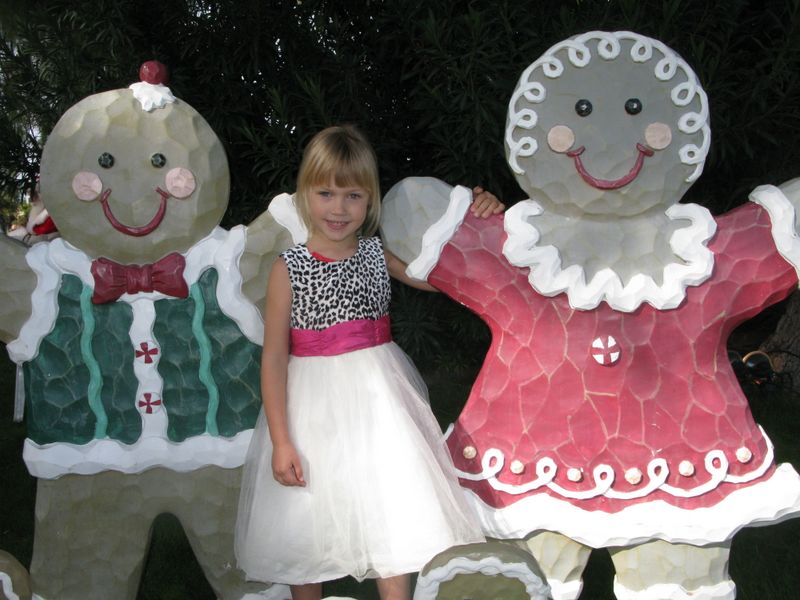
[50,461]
[772,500]
[154,424]
[715,462]
[548,278]
[438,234]
[428,583]
[725,590]
[229,289]
[283,210]
[782,217]
[7,587]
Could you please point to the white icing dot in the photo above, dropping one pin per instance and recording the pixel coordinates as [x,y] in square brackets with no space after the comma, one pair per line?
[743,455]
[633,476]
[469,452]
[686,468]
[517,467]
[574,474]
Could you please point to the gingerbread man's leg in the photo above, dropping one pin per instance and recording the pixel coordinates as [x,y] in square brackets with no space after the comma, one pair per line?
[658,569]
[206,504]
[90,537]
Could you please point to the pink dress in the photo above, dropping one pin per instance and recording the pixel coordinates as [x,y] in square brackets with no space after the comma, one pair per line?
[614,427]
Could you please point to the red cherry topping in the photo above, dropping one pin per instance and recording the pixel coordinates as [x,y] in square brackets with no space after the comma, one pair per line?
[154,72]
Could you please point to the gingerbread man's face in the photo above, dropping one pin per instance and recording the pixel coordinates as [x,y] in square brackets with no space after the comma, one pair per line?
[607,124]
[131,184]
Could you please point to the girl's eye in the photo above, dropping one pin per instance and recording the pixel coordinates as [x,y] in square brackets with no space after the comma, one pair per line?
[633,106]
[105,160]
[583,107]
[158,160]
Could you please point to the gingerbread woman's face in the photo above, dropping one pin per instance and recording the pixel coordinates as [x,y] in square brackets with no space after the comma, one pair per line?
[607,124]
[131,184]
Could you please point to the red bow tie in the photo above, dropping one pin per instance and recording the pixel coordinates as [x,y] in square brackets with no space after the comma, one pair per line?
[112,279]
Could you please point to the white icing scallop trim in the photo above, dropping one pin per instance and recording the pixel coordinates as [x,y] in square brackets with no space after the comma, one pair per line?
[716,465]
[548,278]
[151,96]
[438,234]
[7,587]
[773,500]
[284,211]
[231,299]
[782,217]
[609,48]
[428,584]
[50,461]
[725,590]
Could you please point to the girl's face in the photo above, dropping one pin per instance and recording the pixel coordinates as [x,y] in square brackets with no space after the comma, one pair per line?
[337,213]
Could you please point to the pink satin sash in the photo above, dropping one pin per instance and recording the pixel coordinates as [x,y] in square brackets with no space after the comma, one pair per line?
[341,338]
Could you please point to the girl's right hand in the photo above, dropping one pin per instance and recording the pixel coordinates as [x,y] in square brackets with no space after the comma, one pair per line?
[286,467]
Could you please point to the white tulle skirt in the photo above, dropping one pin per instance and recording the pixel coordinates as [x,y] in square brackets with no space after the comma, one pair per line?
[381,498]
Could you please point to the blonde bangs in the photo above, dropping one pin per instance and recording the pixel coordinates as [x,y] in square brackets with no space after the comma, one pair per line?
[344,156]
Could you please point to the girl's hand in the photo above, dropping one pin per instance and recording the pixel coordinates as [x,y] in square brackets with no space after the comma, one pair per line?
[286,467]
[485,204]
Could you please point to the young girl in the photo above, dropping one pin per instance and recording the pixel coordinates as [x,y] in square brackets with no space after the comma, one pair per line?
[349,475]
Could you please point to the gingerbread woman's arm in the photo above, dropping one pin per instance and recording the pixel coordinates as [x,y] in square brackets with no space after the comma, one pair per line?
[783,205]
[16,286]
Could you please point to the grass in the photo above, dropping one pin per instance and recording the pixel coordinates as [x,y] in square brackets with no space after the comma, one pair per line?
[763,561]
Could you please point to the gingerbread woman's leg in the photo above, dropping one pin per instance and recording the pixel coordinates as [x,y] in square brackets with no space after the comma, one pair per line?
[90,537]
[659,569]
[562,560]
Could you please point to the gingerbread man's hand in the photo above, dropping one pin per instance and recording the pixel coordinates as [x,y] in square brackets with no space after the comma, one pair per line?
[16,286]
[484,203]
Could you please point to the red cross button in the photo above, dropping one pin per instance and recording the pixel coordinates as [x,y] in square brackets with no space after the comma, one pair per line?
[147,353]
[150,403]
[605,350]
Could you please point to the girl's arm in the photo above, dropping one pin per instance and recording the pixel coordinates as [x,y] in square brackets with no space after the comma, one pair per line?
[484,204]
[286,467]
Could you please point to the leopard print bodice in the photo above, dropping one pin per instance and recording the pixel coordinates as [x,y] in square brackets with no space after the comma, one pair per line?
[327,293]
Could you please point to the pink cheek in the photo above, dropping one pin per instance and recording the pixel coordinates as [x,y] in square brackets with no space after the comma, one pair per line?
[180,182]
[560,138]
[87,186]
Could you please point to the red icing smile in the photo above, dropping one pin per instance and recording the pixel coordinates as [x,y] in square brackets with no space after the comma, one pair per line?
[610,184]
[135,231]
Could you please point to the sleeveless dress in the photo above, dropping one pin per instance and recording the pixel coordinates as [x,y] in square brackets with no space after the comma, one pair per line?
[382,497]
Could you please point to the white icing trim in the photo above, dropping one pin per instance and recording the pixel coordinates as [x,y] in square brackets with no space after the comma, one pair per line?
[283,210]
[277,591]
[548,278]
[7,587]
[716,464]
[565,590]
[43,306]
[775,499]
[50,461]
[608,48]
[438,234]
[725,590]
[782,217]
[428,584]
[150,95]
[229,288]
[149,379]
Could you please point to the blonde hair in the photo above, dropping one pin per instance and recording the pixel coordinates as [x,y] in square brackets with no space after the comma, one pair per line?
[343,155]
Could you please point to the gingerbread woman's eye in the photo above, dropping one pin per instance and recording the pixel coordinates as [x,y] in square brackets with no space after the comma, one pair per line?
[105,160]
[583,107]
[158,160]
[633,106]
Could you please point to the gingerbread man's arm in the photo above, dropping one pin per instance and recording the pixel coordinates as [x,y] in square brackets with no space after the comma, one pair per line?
[266,238]
[16,286]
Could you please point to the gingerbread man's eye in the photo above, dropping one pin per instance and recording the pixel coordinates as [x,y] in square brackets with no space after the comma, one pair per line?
[583,107]
[633,106]
[158,160]
[105,160]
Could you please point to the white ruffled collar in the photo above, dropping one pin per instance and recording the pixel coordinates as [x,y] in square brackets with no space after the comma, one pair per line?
[548,278]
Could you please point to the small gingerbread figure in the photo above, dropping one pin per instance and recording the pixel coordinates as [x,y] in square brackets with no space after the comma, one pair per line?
[138,336]
[606,413]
